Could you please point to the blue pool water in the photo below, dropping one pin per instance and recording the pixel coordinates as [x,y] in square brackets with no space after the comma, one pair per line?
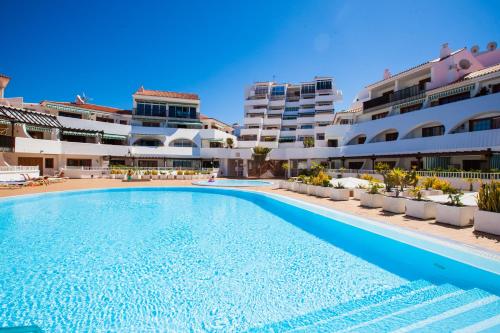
[233,183]
[205,259]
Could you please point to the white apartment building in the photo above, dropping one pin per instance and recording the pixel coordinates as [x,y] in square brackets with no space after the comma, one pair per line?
[281,115]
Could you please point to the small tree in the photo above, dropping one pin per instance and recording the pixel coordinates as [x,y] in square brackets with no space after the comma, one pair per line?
[259,156]
[286,166]
[308,142]
[229,142]
[384,169]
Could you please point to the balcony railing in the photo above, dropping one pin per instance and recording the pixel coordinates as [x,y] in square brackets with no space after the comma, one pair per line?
[411,92]
[7,143]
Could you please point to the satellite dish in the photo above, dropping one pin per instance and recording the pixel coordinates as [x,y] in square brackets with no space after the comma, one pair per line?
[492,46]
[474,50]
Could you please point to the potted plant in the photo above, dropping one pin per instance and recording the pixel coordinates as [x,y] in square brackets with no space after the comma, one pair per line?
[384,169]
[429,183]
[154,174]
[470,182]
[171,175]
[417,207]
[454,212]
[302,187]
[340,193]
[163,175]
[325,189]
[372,198]
[395,204]
[487,218]
[356,192]
[136,175]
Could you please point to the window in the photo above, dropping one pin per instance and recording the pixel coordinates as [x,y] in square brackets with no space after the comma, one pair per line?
[320,136]
[278,91]
[177,111]
[324,85]
[70,115]
[151,109]
[380,115]
[361,140]
[432,131]
[285,139]
[484,124]
[345,121]
[410,108]
[182,163]
[391,136]
[150,124]
[148,143]
[306,126]
[147,164]
[292,109]
[453,98]
[71,162]
[49,163]
[261,90]
[308,89]
[104,120]
[182,143]
[333,143]
[123,122]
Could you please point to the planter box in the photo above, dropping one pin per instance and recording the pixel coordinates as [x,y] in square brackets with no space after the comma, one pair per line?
[426,193]
[487,222]
[324,192]
[459,216]
[294,186]
[156,177]
[340,194]
[163,177]
[394,204]
[372,200]
[356,193]
[312,189]
[136,177]
[302,188]
[421,209]
[170,177]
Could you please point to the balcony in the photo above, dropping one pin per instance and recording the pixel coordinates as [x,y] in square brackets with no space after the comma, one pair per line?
[268,144]
[257,100]
[277,101]
[7,143]
[270,132]
[324,117]
[252,121]
[272,121]
[249,131]
[406,94]
[325,97]
[324,108]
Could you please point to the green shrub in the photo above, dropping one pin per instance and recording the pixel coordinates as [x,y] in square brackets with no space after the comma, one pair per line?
[488,198]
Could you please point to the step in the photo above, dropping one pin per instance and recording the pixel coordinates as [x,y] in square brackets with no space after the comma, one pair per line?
[419,313]
[489,325]
[348,307]
[464,316]
[21,329]
[383,309]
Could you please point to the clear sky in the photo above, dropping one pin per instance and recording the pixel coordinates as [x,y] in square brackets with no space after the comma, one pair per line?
[56,49]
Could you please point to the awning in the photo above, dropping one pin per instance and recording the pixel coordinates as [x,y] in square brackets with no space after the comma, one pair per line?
[17,115]
[184,122]
[451,92]
[216,140]
[414,102]
[114,136]
[38,128]
[80,133]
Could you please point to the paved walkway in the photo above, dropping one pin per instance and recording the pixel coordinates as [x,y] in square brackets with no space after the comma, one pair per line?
[463,235]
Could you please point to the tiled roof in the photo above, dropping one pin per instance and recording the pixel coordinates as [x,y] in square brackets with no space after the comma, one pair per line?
[169,94]
[2,75]
[482,72]
[416,67]
[202,117]
[93,107]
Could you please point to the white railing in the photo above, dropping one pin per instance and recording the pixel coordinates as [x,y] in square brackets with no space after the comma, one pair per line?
[17,168]
[430,173]
[136,168]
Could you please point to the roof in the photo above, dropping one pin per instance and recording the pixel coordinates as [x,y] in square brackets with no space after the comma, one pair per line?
[93,107]
[169,94]
[202,117]
[3,75]
[28,117]
[425,64]
[482,72]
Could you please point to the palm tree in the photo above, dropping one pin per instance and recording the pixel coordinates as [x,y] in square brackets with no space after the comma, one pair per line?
[260,155]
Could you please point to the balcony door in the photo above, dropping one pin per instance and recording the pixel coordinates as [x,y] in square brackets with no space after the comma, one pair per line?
[31,161]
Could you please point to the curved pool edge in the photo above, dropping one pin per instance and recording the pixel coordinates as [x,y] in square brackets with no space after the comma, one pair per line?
[475,256]
[258,183]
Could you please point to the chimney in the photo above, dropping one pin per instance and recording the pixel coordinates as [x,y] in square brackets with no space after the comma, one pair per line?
[79,100]
[445,51]
[4,82]
[387,74]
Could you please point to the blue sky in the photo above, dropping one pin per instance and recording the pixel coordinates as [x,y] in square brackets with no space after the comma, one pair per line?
[56,49]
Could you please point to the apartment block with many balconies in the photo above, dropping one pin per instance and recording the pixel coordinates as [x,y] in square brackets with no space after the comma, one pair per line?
[281,115]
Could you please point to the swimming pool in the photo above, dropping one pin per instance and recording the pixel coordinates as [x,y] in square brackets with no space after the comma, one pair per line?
[233,183]
[207,259]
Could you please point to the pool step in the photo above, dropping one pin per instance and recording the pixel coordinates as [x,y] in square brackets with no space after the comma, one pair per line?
[416,306]
[21,329]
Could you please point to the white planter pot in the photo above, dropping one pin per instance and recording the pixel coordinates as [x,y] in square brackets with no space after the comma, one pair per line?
[324,192]
[421,209]
[163,177]
[429,192]
[394,204]
[303,188]
[170,177]
[155,177]
[357,193]
[459,216]
[136,177]
[112,176]
[311,189]
[340,194]
[282,184]
[371,200]
[188,177]
[487,222]
[294,187]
